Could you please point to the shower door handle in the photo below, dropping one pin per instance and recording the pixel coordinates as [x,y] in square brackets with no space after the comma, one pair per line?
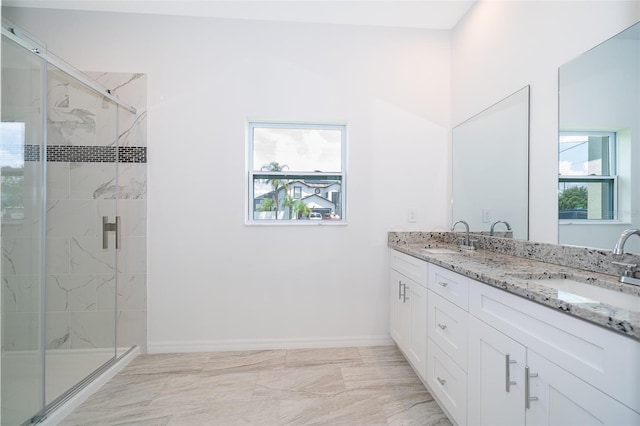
[107,227]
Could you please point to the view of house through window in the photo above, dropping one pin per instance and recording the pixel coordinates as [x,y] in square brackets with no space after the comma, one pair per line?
[587,176]
[296,172]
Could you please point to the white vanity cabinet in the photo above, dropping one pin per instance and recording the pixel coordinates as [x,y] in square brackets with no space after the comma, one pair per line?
[408,293]
[531,365]
[490,357]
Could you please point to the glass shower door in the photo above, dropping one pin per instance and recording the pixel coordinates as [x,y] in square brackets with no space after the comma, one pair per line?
[58,281]
[22,268]
[81,266]
[60,190]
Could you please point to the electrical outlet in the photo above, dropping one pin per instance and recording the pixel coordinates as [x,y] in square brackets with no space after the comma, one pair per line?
[412,216]
[486,215]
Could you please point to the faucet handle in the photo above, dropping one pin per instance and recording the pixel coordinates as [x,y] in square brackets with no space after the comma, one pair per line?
[630,268]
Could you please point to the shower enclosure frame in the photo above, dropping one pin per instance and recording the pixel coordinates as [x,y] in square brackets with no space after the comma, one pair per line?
[31,43]
[37,48]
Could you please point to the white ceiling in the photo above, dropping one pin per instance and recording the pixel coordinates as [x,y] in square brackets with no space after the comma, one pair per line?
[432,14]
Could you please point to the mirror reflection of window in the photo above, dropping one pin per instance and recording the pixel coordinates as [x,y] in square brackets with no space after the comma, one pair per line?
[600,91]
[587,183]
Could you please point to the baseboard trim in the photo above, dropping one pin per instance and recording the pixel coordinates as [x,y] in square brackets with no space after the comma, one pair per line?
[182,346]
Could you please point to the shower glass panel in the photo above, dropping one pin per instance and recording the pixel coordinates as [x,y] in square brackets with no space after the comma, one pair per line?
[59,189]
[22,193]
[80,273]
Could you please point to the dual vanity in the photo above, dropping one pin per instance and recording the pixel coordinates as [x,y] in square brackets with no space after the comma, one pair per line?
[517,332]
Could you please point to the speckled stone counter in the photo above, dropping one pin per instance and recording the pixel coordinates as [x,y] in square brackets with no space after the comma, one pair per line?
[511,265]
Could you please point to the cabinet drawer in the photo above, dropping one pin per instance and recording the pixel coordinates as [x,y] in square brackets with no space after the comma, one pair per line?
[450,285]
[447,382]
[602,358]
[410,267]
[447,327]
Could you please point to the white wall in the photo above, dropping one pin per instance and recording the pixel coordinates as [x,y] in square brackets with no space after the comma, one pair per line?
[501,46]
[214,282]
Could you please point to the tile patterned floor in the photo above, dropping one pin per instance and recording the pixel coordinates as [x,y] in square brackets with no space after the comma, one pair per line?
[340,386]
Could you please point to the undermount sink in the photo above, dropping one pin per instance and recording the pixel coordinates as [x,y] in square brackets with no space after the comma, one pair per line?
[578,292]
[438,250]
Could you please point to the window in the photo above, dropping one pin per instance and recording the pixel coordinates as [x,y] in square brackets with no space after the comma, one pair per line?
[12,164]
[296,172]
[587,184]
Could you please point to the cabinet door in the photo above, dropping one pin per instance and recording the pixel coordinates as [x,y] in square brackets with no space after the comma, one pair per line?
[416,301]
[496,377]
[399,320]
[557,397]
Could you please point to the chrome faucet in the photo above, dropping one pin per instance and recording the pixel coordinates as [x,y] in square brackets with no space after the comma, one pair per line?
[619,247]
[467,244]
[497,222]
[629,274]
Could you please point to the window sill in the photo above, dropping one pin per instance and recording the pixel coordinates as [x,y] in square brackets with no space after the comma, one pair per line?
[592,222]
[296,223]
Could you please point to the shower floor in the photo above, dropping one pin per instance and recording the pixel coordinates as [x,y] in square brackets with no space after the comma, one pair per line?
[22,378]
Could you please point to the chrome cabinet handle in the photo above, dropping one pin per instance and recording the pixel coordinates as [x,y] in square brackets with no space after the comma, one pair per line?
[443,283]
[508,382]
[527,392]
[402,294]
[441,381]
[442,326]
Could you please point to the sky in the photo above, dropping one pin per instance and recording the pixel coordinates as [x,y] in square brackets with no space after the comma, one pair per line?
[12,147]
[302,150]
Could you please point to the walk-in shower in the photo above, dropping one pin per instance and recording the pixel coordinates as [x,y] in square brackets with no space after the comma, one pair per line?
[73,165]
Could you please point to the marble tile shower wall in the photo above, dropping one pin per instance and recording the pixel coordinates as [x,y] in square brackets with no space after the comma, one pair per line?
[81,189]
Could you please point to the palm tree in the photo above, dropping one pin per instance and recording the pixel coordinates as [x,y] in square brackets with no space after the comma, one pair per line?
[266,205]
[276,182]
[288,202]
[300,209]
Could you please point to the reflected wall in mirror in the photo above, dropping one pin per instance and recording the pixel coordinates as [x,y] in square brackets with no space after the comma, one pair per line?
[490,158]
[599,144]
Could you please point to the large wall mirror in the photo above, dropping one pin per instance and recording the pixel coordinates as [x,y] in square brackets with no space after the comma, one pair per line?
[490,158]
[599,144]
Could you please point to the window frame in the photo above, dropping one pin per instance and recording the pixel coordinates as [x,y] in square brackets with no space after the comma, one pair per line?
[612,177]
[251,173]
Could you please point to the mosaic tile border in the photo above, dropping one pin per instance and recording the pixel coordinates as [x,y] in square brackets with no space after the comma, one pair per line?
[83,153]
[31,152]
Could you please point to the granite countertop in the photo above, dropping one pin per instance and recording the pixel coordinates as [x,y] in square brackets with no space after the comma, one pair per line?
[526,277]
